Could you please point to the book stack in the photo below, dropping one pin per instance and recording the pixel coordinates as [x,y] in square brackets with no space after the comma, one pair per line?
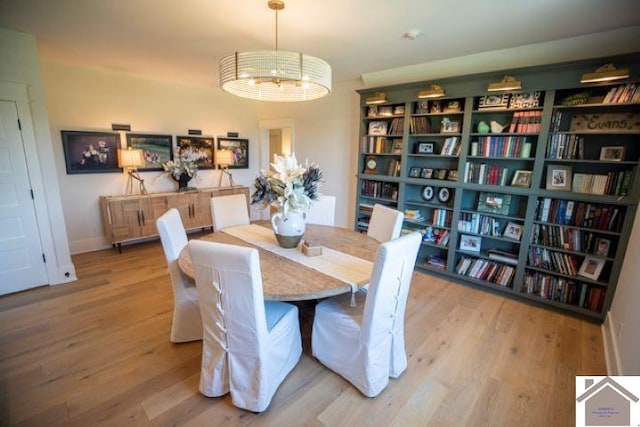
[622,94]
[559,262]
[503,256]
[419,125]
[413,215]
[483,173]
[565,146]
[451,147]
[559,236]
[560,289]
[503,146]
[487,270]
[526,121]
[613,183]
[581,214]
[436,262]
[478,224]
[397,126]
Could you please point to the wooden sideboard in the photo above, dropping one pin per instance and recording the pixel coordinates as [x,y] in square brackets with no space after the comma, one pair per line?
[133,217]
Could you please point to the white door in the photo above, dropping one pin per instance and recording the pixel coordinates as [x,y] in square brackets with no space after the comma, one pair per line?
[21,256]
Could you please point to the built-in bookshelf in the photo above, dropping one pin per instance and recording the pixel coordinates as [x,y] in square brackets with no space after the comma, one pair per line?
[529,193]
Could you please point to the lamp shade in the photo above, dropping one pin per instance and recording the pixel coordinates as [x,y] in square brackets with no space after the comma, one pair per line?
[131,158]
[223,158]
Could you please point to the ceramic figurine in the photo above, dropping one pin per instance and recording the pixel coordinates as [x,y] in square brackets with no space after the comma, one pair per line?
[483,127]
[496,127]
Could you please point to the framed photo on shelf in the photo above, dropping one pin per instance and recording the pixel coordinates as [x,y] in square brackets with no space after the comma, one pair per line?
[240,149]
[422,107]
[378,127]
[385,111]
[497,102]
[426,173]
[428,192]
[470,243]
[513,231]
[559,177]
[444,194]
[602,246]
[440,173]
[156,149]
[522,178]
[90,152]
[414,172]
[525,100]
[591,267]
[612,154]
[452,107]
[396,148]
[197,147]
[452,174]
[449,126]
[494,203]
[425,147]
[372,111]
[435,107]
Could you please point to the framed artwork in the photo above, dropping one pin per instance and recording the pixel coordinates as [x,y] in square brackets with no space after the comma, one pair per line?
[372,111]
[156,149]
[602,246]
[422,107]
[559,177]
[452,175]
[396,148]
[428,192]
[612,154]
[378,128]
[91,152]
[522,178]
[513,231]
[494,203]
[240,149]
[497,102]
[525,100]
[426,173]
[385,111]
[444,194]
[435,107]
[452,107]
[425,148]
[414,172]
[470,243]
[449,126]
[200,148]
[440,173]
[591,267]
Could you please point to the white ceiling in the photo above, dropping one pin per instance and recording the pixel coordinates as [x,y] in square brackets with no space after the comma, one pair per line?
[183,40]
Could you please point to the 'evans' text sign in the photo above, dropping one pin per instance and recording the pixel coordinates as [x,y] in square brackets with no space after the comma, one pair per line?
[613,122]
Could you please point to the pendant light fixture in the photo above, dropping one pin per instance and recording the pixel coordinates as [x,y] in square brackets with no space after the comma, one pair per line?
[275,75]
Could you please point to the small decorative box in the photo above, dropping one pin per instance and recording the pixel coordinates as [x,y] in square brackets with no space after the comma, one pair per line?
[311,248]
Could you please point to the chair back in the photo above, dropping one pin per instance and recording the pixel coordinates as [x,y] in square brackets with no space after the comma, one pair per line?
[323,211]
[227,211]
[385,223]
[389,287]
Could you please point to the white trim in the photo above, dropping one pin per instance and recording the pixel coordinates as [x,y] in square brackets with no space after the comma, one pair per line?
[610,344]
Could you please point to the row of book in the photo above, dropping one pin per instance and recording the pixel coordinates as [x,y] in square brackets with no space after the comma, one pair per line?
[559,262]
[397,126]
[569,238]
[503,256]
[565,146]
[580,214]
[437,262]
[629,92]
[378,189]
[419,125]
[483,173]
[451,147]
[381,145]
[487,270]
[437,237]
[502,146]
[526,121]
[441,217]
[614,183]
[394,168]
[479,224]
[563,290]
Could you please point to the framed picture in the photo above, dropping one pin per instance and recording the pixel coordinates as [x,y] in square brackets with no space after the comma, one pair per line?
[470,243]
[372,111]
[91,152]
[452,174]
[385,111]
[444,194]
[452,107]
[591,267]
[396,148]
[426,173]
[522,178]
[240,149]
[513,231]
[525,100]
[156,149]
[497,102]
[494,203]
[199,148]
[440,173]
[414,172]
[602,247]
[425,148]
[378,128]
[449,126]
[612,154]
[435,107]
[422,107]
[428,192]
[559,177]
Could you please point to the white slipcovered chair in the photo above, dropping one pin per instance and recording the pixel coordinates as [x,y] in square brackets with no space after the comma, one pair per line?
[365,343]
[249,345]
[187,323]
[323,211]
[227,211]
[385,223]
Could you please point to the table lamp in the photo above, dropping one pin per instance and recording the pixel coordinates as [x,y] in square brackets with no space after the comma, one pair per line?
[130,159]
[224,158]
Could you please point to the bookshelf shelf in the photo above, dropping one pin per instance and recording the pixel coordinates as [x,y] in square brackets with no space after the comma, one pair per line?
[567,127]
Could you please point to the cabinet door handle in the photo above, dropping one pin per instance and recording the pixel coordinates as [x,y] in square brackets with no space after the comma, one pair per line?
[139,222]
[193,210]
[143,221]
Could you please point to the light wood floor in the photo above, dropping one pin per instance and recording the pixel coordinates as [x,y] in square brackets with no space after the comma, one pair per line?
[97,352]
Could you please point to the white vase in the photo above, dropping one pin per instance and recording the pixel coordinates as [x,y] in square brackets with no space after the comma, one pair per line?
[289,229]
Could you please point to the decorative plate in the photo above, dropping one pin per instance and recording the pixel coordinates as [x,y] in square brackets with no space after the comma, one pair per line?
[428,192]
[444,194]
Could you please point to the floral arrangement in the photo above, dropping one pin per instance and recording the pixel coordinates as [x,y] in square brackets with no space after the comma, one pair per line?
[288,186]
[184,163]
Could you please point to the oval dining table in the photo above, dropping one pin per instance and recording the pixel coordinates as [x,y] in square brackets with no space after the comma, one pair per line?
[287,280]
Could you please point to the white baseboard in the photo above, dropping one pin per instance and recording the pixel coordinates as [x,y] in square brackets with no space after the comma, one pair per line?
[610,342]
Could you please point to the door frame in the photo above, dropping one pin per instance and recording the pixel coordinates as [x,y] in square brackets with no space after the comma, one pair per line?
[56,273]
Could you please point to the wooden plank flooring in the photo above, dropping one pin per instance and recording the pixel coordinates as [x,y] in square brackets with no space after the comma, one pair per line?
[97,352]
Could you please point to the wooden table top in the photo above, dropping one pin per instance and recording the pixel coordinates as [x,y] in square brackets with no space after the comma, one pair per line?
[286,280]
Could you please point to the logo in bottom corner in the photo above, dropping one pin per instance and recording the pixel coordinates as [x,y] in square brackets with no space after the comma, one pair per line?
[607,401]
